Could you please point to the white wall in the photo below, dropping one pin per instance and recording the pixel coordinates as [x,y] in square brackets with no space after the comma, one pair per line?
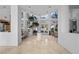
[11,38]
[5,12]
[70,41]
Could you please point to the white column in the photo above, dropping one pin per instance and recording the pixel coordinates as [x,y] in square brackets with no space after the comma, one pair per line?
[15,24]
[19,25]
[63,19]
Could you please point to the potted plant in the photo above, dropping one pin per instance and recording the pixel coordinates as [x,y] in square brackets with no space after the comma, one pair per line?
[33,23]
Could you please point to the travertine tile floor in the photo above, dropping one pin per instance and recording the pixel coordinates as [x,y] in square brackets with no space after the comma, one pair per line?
[36,45]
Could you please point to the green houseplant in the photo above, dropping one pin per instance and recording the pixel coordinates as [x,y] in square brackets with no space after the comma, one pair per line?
[34,21]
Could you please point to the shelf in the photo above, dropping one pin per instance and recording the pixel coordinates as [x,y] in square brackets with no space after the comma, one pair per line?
[4,21]
[6,25]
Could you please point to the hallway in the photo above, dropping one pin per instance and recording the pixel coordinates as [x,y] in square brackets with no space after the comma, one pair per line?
[34,44]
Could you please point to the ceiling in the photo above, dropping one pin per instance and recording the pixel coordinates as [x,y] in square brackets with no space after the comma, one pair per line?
[4,6]
[39,9]
[74,6]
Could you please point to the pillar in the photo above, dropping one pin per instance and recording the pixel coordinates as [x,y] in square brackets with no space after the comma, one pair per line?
[63,19]
[15,25]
